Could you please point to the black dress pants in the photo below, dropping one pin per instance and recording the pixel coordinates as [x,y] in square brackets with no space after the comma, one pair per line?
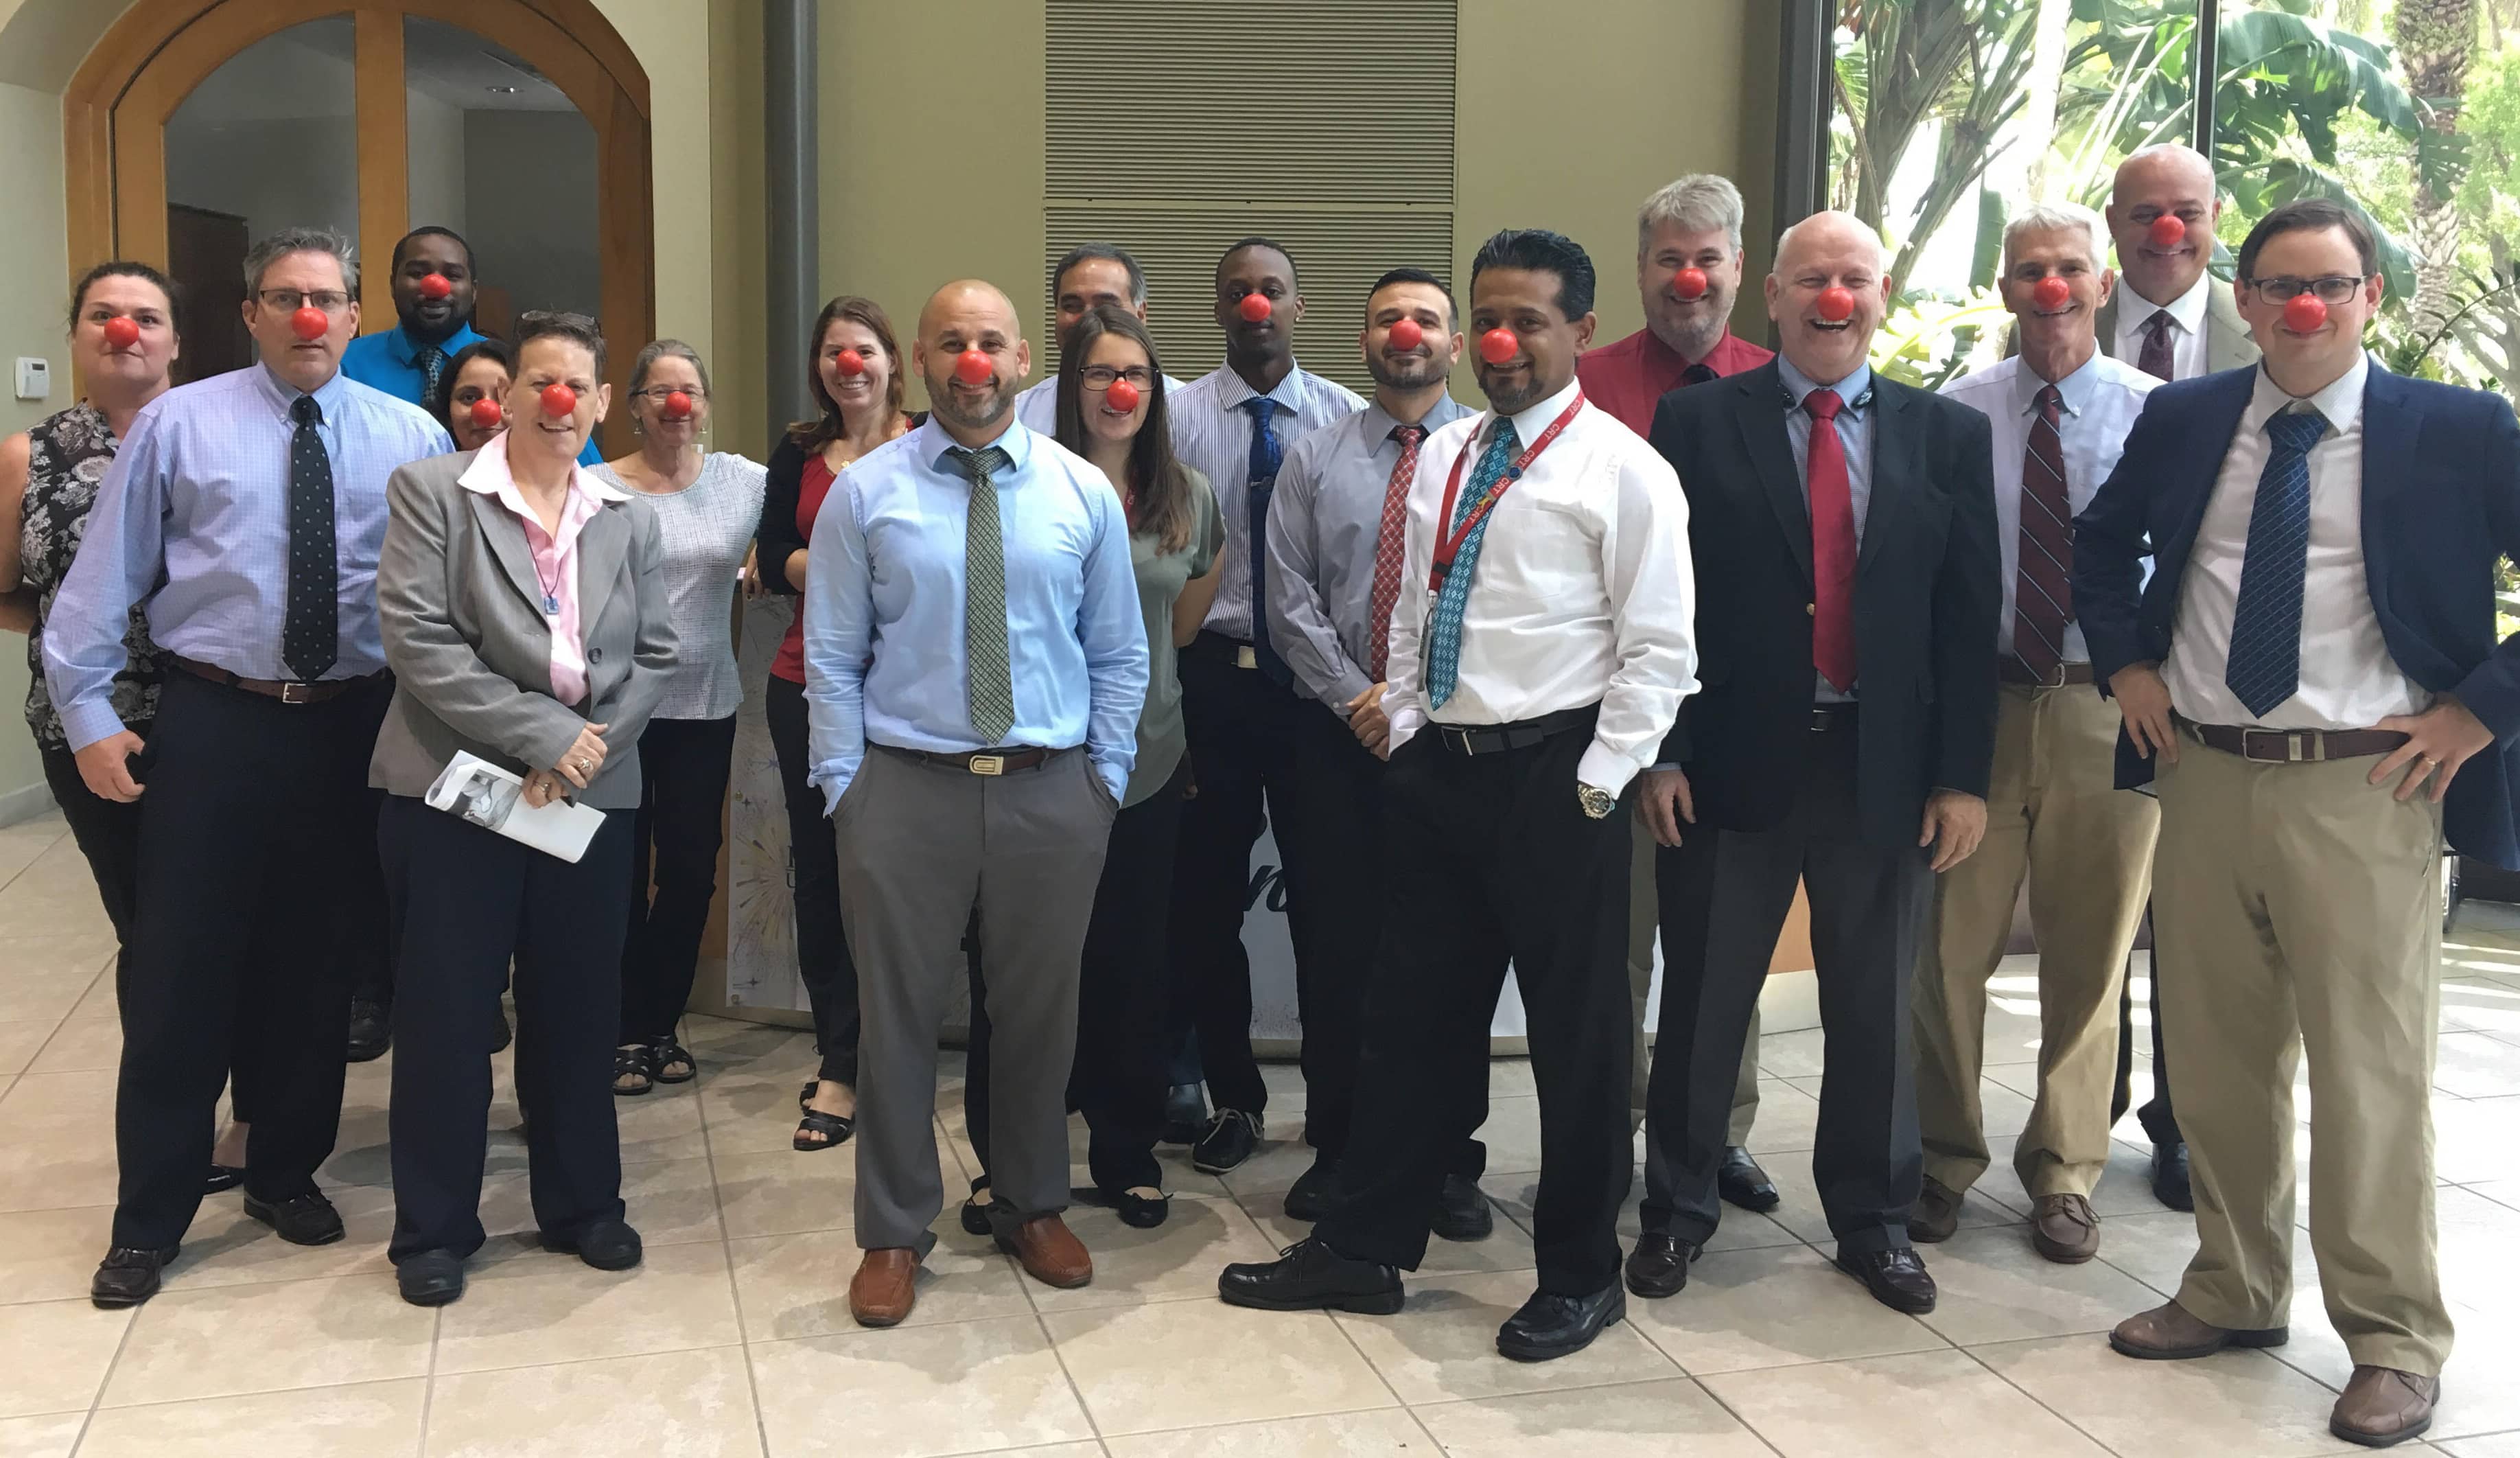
[251,837]
[1724,899]
[674,839]
[465,901]
[2159,1118]
[1119,1077]
[1242,751]
[1492,858]
[822,962]
[1345,884]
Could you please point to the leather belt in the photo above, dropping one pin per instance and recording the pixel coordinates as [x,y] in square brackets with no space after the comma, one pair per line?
[1495,738]
[2296,746]
[1234,651]
[1829,719]
[982,761]
[286,690]
[2015,671]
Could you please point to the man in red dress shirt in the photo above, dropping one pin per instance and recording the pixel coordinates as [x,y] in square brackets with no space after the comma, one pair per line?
[1692,224]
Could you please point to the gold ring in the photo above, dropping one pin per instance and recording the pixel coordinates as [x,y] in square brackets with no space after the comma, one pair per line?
[2430,760]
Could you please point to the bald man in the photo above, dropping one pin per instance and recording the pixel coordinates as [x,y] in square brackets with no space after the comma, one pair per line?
[971,739]
[1853,760]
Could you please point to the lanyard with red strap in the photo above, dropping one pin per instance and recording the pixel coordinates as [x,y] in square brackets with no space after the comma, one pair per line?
[1448,544]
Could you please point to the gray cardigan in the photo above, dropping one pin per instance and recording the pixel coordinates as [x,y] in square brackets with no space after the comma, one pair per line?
[470,648]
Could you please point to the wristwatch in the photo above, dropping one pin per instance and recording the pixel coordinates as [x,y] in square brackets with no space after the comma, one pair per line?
[1598,802]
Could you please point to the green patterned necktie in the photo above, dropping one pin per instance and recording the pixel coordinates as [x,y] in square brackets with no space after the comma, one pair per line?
[985,598]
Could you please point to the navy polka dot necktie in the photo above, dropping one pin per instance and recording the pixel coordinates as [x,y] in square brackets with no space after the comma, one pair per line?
[310,639]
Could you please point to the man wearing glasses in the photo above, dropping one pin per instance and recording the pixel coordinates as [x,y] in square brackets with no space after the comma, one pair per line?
[244,512]
[2310,679]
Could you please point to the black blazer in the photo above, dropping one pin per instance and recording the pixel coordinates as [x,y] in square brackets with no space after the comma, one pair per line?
[2439,513]
[1927,591]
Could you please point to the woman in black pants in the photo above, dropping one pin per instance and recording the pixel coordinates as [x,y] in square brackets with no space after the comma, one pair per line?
[858,383]
[1111,412]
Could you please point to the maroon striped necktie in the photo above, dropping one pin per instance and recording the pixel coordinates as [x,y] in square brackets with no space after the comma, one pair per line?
[2043,596]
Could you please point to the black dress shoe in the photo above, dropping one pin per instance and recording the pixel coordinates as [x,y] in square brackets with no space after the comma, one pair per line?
[2169,1176]
[605,1244]
[1229,1138]
[1185,1114]
[1310,1276]
[371,1029]
[1659,1265]
[501,1034]
[307,1219]
[1310,1199]
[129,1275]
[429,1278]
[1558,1326]
[1462,1213]
[1138,1212]
[1741,1181]
[1897,1279]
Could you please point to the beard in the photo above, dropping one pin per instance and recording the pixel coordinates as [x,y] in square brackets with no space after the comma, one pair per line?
[963,411]
[1407,372]
[1515,393]
[1692,334]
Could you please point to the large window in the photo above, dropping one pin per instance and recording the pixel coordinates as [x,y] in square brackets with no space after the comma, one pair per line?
[1948,115]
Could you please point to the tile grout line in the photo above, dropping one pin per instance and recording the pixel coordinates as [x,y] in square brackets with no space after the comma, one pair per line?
[735,1289]
[2034,1398]
[96,1402]
[429,1382]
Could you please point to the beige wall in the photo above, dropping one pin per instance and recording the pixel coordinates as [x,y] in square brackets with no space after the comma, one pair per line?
[31,324]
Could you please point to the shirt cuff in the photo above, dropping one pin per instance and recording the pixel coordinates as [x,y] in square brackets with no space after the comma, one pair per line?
[84,724]
[1114,780]
[1604,768]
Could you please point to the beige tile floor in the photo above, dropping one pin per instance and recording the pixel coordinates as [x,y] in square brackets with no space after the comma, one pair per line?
[735,1338]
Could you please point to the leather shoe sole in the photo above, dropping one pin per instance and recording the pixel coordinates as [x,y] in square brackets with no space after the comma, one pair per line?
[2267,1337]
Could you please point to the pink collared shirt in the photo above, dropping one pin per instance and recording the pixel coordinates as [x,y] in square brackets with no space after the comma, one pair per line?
[554,556]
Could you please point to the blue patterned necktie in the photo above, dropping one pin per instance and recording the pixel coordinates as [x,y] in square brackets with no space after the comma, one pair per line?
[2265,665]
[1444,627]
[1267,455]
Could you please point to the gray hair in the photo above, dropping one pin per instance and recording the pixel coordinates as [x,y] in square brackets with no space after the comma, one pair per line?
[1698,202]
[274,246]
[2059,217]
[659,349]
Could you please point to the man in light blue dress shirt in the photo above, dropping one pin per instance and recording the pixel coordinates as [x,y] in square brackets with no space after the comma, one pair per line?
[1239,700]
[1090,274]
[244,512]
[974,663]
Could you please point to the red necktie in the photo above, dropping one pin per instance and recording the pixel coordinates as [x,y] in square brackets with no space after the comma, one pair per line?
[1833,513]
[2155,361]
[1388,545]
[2042,595]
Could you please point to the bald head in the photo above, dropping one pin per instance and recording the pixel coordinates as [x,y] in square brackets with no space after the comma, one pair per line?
[1825,251]
[2157,181]
[969,302]
[1833,233]
[968,317]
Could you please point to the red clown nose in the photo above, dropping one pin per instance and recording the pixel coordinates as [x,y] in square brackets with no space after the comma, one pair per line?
[435,286]
[1122,395]
[1690,283]
[1406,334]
[1254,307]
[486,415]
[1497,345]
[310,322]
[2305,313]
[1836,303]
[120,331]
[678,405]
[2169,231]
[2051,294]
[973,367]
[559,401]
[849,362]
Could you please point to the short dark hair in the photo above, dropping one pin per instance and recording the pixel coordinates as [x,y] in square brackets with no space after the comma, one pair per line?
[1542,252]
[431,231]
[498,352]
[1256,240]
[124,268]
[1107,252]
[2311,215]
[536,324]
[1452,305]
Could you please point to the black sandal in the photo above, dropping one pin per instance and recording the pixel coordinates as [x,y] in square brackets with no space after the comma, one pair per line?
[636,1060]
[835,1129]
[666,1055]
[805,1095]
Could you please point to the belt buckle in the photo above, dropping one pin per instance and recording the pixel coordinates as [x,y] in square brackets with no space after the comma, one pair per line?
[987,764]
[1823,722]
[1459,740]
[297,693]
[1246,656]
[2296,743]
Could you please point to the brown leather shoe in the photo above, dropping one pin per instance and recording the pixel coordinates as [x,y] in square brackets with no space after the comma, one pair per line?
[1049,1252]
[885,1287]
[2169,1334]
[1937,1213]
[2382,1406]
[2064,1228]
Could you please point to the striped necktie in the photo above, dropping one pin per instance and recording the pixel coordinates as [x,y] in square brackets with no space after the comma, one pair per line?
[2265,664]
[2042,595]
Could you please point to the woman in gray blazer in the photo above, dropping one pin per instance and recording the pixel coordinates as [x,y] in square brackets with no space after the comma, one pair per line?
[525,623]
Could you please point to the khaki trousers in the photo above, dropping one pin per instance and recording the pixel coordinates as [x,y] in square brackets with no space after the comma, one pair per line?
[2302,907]
[1642,901]
[2055,818]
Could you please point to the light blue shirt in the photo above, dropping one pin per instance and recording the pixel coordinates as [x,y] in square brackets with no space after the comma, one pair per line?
[193,519]
[1212,435]
[883,633]
[1854,424]
[388,360]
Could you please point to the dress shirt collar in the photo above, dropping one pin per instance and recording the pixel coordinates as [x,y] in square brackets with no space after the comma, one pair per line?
[2075,389]
[1852,390]
[490,475]
[2187,310]
[405,351]
[1655,349]
[1378,423]
[934,441]
[1232,389]
[1529,422]
[2341,401]
[281,395]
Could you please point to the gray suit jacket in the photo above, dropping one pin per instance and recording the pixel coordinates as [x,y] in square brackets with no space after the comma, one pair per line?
[471,647]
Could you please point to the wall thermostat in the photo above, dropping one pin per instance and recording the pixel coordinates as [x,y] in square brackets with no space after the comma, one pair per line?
[35,380]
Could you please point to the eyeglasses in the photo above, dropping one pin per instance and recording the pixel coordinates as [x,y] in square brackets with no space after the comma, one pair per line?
[287,300]
[1101,377]
[2334,288]
[656,394]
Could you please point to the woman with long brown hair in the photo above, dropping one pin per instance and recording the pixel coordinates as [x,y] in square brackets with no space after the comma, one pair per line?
[857,374]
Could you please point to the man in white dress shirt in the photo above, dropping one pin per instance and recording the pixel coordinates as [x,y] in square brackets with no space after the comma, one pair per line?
[2060,411]
[1091,274]
[1539,650]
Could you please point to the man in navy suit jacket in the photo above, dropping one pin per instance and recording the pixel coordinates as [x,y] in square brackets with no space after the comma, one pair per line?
[2311,681]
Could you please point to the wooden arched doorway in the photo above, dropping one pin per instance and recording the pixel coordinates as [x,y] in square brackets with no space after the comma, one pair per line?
[117,110]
